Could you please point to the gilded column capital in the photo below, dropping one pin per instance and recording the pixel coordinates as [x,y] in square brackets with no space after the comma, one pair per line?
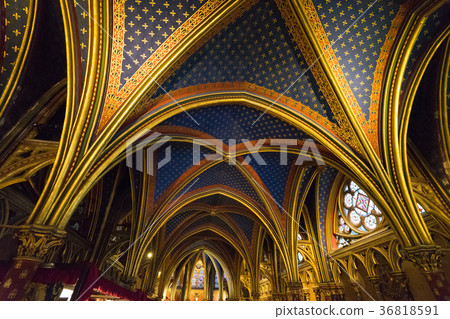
[38,242]
[295,286]
[428,258]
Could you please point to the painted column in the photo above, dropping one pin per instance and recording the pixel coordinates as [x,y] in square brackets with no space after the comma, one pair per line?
[34,248]
[376,283]
[295,291]
[429,261]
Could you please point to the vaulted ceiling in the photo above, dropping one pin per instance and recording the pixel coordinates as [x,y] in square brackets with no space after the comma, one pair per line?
[228,71]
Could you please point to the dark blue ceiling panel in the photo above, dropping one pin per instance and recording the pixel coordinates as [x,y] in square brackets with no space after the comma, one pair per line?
[256,48]
[274,175]
[245,223]
[359,48]
[235,122]
[177,220]
[147,25]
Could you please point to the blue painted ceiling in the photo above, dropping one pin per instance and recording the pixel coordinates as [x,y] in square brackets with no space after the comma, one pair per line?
[82,9]
[181,160]
[256,48]
[177,220]
[218,200]
[214,220]
[245,223]
[235,122]
[274,175]
[227,175]
[147,25]
[359,48]
[229,122]
[15,21]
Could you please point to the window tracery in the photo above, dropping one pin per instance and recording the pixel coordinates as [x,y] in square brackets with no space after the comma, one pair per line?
[300,257]
[357,215]
[216,282]
[198,276]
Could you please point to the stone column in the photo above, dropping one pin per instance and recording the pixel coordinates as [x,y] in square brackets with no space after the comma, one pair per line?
[306,295]
[317,293]
[376,283]
[256,295]
[429,261]
[356,289]
[36,245]
[220,280]
[395,286]
[295,291]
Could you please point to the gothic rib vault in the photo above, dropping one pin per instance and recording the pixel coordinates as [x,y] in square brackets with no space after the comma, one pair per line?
[87,85]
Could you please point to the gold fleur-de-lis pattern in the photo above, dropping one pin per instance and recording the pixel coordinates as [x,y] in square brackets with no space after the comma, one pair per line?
[147,25]
[256,48]
[82,14]
[125,39]
[13,22]
[359,48]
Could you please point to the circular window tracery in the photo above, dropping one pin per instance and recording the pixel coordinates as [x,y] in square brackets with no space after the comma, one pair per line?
[357,214]
[360,210]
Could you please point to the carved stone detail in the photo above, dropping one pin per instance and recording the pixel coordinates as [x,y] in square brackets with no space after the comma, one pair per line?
[256,295]
[296,290]
[356,289]
[376,283]
[36,245]
[397,286]
[427,258]
[318,293]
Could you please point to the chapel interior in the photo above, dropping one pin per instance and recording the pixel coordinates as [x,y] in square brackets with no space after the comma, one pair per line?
[224,150]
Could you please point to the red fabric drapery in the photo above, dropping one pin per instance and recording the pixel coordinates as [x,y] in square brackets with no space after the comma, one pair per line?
[70,274]
[67,274]
[111,288]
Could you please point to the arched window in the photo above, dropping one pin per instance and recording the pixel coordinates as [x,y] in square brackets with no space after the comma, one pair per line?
[216,282]
[194,279]
[198,276]
[356,215]
[201,279]
[299,257]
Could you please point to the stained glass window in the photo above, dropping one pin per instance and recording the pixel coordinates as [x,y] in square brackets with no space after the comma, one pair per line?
[201,279]
[421,209]
[299,257]
[194,279]
[198,276]
[216,282]
[356,216]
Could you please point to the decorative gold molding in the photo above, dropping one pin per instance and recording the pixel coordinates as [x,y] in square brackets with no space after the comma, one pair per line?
[28,157]
[427,258]
[296,25]
[37,245]
[394,138]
